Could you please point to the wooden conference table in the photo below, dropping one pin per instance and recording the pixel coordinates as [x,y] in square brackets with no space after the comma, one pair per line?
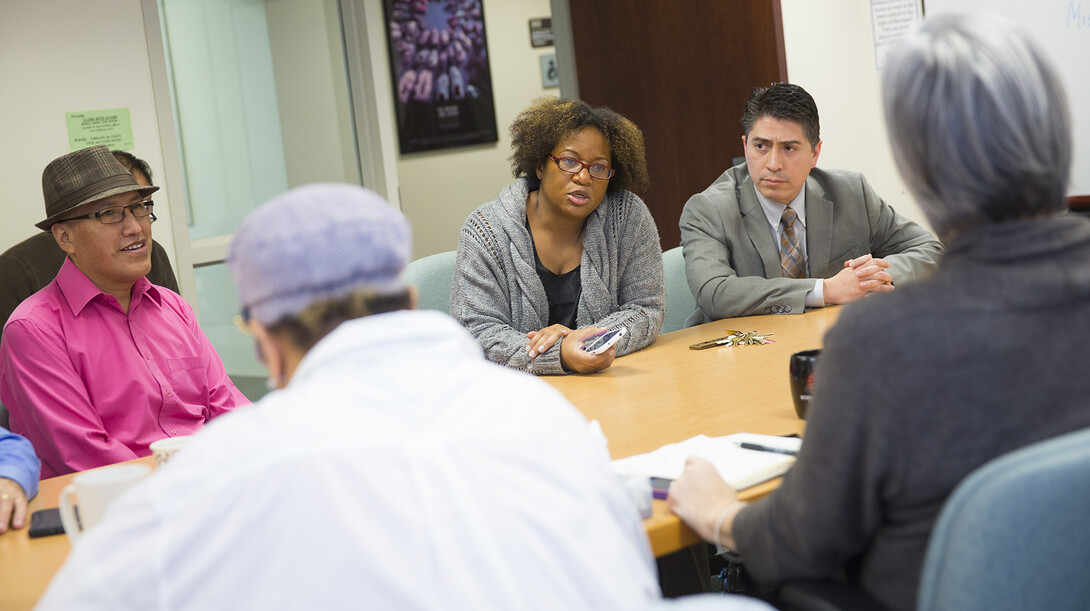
[659,395]
[667,393]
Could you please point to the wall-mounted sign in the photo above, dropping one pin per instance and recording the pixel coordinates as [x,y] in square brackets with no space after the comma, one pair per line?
[891,20]
[550,74]
[541,32]
[90,127]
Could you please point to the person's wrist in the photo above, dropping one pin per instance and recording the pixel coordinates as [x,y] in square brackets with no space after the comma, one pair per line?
[725,517]
[563,355]
[13,482]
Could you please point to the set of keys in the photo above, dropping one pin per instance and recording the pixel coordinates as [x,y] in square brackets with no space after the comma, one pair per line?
[734,338]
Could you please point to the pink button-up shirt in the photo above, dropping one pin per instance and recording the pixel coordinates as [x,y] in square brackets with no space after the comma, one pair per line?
[91,386]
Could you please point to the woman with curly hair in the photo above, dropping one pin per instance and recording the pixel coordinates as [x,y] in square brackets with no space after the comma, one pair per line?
[567,251]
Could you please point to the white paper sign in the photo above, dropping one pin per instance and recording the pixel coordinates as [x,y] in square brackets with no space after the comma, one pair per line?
[890,21]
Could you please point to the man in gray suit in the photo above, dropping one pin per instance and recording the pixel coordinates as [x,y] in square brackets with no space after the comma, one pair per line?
[775,235]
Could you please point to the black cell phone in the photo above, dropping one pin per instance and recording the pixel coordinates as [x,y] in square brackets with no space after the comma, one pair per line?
[46,522]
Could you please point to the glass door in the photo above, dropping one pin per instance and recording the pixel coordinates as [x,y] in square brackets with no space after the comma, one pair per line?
[261,103]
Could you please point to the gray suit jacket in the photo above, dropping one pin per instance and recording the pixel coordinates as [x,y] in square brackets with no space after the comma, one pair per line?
[732,262]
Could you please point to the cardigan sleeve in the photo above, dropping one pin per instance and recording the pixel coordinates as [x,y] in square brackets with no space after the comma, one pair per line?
[640,304]
[480,299]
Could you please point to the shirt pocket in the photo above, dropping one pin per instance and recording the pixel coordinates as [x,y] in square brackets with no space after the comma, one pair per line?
[189,381]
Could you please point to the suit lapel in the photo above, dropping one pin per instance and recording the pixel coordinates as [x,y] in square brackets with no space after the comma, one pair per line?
[760,234]
[819,229]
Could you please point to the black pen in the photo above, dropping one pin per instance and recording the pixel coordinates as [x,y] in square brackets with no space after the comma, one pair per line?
[762,448]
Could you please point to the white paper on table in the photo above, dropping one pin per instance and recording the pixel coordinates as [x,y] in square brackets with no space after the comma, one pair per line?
[739,467]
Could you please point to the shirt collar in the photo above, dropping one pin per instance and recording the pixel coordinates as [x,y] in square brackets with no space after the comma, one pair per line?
[378,336]
[774,210]
[78,290]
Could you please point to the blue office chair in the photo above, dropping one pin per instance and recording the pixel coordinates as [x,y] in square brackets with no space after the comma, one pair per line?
[680,303]
[432,276]
[1014,534]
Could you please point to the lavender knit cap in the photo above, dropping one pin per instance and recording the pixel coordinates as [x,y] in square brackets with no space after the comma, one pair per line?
[317,242]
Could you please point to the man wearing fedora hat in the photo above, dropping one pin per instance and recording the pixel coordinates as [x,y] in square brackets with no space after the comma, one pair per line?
[100,363]
[28,266]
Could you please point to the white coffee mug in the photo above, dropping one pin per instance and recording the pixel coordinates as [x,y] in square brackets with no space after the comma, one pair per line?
[167,447]
[96,489]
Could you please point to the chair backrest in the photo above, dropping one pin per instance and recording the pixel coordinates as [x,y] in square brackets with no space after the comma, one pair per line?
[432,276]
[680,303]
[1015,533]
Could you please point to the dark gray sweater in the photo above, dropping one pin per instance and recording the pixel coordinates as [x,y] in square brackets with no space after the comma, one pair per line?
[917,388]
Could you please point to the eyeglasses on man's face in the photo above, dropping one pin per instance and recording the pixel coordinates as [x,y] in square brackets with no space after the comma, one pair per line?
[574,166]
[116,214]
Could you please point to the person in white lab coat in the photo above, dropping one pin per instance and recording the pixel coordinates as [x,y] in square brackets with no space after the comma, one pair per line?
[394,467]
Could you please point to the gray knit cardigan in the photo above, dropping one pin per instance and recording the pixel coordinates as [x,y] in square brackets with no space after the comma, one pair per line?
[498,296]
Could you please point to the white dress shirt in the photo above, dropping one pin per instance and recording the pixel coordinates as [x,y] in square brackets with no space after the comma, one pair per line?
[398,470]
[815,298]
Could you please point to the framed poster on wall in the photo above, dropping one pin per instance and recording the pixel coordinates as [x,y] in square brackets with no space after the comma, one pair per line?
[439,66]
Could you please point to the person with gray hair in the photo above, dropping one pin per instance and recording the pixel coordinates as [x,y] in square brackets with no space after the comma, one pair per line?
[918,388]
[942,117]
[395,468]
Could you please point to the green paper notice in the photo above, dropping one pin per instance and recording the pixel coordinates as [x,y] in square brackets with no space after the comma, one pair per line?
[110,127]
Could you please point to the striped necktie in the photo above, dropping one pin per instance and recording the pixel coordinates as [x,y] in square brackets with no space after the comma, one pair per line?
[790,255]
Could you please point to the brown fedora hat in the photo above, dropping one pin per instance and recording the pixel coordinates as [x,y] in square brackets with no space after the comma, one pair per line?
[82,177]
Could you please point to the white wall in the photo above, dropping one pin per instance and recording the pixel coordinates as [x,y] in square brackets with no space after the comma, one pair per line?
[59,56]
[830,54]
[439,189]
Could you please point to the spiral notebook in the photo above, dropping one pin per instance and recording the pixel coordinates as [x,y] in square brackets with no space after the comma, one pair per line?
[739,467]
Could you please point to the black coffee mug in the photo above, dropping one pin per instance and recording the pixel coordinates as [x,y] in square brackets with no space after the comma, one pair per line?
[802,379]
